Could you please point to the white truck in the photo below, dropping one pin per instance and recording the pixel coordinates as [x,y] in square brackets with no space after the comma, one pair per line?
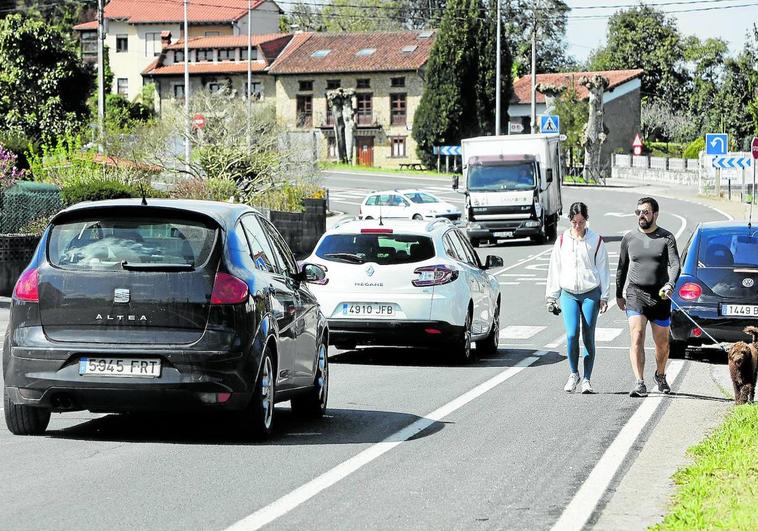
[512,186]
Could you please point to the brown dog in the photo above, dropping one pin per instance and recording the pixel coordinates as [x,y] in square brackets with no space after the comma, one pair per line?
[743,365]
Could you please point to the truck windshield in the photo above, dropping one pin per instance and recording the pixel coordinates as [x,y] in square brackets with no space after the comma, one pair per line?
[519,176]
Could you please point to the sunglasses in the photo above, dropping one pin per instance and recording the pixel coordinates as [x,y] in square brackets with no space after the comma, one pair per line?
[642,212]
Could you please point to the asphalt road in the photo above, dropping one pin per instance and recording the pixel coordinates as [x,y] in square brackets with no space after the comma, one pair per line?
[409,442]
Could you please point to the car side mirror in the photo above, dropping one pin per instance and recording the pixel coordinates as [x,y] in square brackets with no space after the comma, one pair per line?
[493,261]
[315,274]
[549,175]
[455,182]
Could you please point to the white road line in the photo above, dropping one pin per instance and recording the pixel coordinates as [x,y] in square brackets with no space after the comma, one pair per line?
[681,229]
[580,509]
[523,261]
[307,491]
[521,274]
[520,332]
[509,283]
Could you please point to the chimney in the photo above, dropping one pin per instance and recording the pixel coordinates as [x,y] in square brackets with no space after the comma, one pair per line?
[165,39]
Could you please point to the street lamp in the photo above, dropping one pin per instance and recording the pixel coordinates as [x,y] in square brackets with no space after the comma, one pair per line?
[187,125]
[497,75]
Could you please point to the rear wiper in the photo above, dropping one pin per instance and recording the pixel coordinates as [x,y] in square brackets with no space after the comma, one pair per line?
[349,257]
[156,267]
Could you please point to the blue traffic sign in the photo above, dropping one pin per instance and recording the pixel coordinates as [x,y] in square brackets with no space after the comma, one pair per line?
[731,162]
[716,143]
[446,150]
[550,124]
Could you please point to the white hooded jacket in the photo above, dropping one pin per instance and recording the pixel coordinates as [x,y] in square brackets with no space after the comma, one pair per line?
[578,266]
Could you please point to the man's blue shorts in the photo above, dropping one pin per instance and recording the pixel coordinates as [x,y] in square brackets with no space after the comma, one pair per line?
[660,322]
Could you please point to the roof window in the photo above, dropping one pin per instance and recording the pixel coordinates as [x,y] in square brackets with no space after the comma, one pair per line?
[425,34]
[410,48]
[365,52]
[320,53]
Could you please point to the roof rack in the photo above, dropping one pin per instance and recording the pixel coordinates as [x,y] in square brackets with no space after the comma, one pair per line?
[432,223]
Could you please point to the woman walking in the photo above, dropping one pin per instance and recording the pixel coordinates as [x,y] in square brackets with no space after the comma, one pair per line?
[578,284]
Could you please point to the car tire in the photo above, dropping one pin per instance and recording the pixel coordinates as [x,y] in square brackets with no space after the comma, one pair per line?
[24,420]
[417,217]
[258,421]
[677,349]
[551,232]
[462,352]
[313,403]
[368,217]
[488,345]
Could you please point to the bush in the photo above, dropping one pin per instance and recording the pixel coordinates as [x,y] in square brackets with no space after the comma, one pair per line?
[36,226]
[26,201]
[213,189]
[98,189]
[287,198]
[694,148]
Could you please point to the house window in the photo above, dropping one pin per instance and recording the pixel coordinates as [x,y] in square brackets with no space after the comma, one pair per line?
[398,109]
[398,147]
[226,55]
[152,44]
[331,148]
[305,85]
[332,84]
[363,83]
[365,111]
[122,86]
[179,57]
[122,43]
[179,91]
[397,81]
[204,55]
[329,114]
[256,90]
[304,111]
[214,87]
[253,55]
[89,44]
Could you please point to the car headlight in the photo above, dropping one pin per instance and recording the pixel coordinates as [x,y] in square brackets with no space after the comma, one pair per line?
[532,223]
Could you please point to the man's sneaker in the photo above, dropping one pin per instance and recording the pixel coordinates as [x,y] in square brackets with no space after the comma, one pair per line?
[663,385]
[587,387]
[639,389]
[572,382]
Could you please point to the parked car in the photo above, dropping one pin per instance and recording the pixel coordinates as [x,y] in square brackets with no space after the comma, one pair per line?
[407,283]
[408,204]
[718,286]
[160,306]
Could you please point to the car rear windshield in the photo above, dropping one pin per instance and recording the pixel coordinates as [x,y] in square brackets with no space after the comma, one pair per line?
[100,242]
[384,249]
[731,249]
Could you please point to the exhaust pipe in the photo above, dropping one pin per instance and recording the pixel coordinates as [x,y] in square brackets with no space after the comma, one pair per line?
[62,402]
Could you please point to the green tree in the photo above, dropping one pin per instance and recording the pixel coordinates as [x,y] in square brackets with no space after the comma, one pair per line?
[707,59]
[643,37]
[485,81]
[43,84]
[362,15]
[573,113]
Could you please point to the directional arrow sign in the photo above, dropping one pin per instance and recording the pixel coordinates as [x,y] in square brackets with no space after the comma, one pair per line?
[716,143]
[731,162]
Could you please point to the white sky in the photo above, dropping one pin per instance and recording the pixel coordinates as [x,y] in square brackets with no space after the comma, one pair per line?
[730,24]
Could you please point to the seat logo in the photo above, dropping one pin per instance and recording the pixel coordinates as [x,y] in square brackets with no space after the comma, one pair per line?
[748,282]
[370,271]
[120,295]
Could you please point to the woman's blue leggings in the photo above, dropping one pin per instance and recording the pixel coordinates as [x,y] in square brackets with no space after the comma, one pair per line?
[580,308]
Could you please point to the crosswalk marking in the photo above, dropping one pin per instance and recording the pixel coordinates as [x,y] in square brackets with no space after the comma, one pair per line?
[607,334]
[520,332]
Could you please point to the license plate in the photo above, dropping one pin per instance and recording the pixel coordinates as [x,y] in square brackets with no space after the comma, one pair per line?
[130,367]
[506,234]
[740,310]
[361,309]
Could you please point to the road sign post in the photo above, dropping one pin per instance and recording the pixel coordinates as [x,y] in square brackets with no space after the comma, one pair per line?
[637,145]
[754,152]
[550,124]
[198,121]
[716,143]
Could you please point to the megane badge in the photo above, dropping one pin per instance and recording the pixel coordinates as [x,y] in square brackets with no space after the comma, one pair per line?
[120,295]
[748,282]
[370,270]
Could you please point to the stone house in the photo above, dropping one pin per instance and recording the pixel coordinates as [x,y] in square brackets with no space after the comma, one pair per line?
[621,104]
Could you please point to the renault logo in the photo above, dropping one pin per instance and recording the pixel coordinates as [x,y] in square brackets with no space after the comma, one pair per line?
[748,282]
[121,295]
[370,270]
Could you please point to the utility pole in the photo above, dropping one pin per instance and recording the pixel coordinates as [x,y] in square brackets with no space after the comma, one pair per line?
[187,124]
[249,68]
[497,75]
[100,78]
[534,69]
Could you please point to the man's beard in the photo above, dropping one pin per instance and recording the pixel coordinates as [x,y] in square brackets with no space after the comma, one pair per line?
[644,223]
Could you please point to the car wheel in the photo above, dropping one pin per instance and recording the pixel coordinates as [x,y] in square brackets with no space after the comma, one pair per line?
[25,420]
[677,349]
[259,415]
[368,217]
[462,348]
[488,345]
[418,217]
[551,233]
[313,403]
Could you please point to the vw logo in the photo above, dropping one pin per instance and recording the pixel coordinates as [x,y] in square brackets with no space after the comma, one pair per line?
[370,270]
[748,282]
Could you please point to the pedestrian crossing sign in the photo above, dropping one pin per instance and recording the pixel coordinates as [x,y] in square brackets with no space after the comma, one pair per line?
[550,124]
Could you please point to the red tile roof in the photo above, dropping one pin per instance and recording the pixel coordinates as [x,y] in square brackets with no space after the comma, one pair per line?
[225,41]
[86,26]
[199,11]
[298,58]
[522,86]
[204,68]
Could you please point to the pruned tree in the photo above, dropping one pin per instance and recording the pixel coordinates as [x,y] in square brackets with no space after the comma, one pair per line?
[595,132]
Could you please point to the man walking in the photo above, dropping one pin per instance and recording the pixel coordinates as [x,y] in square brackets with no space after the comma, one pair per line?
[650,261]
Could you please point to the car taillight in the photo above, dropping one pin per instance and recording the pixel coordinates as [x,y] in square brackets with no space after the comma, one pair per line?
[434,275]
[228,290]
[690,291]
[26,288]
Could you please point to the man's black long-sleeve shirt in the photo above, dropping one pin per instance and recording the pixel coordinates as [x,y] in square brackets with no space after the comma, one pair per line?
[648,260]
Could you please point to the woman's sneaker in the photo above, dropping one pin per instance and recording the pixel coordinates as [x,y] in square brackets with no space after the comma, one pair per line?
[663,385]
[572,382]
[587,387]
[640,390]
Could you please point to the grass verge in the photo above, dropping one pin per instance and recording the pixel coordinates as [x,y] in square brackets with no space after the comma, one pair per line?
[720,489]
[374,169]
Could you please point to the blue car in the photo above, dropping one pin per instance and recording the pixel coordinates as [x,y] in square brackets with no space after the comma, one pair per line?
[718,286]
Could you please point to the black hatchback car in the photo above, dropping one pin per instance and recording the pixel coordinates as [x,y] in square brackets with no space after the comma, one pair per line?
[718,286]
[162,305]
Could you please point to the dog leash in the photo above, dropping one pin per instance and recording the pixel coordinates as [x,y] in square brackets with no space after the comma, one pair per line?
[717,343]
